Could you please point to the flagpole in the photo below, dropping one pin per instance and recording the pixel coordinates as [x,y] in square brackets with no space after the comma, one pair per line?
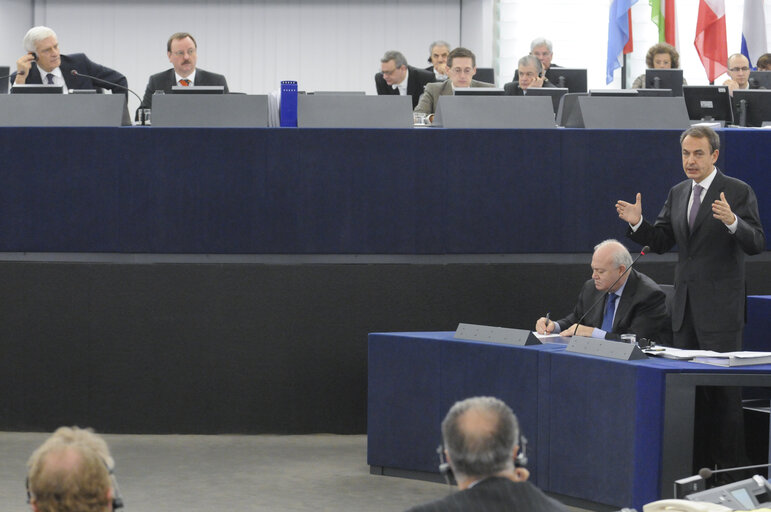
[623,72]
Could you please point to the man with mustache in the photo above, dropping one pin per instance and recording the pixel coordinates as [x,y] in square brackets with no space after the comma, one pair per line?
[182,51]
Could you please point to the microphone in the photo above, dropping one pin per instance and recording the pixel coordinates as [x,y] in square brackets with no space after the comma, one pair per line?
[706,472]
[74,72]
[6,76]
[602,297]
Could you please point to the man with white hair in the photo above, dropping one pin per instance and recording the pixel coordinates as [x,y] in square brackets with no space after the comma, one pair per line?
[634,304]
[44,64]
[481,442]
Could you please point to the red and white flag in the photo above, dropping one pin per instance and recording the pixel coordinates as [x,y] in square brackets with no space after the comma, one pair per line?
[710,39]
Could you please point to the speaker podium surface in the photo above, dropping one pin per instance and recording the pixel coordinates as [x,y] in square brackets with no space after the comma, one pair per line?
[61,109]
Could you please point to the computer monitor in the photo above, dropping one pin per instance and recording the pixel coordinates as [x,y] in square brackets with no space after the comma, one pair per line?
[4,71]
[752,107]
[556,94]
[708,103]
[37,89]
[572,78]
[198,89]
[665,79]
[614,93]
[478,91]
[657,93]
[485,75]
[757,79]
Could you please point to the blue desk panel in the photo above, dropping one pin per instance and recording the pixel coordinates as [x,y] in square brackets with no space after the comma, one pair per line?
[338,191]
[607,431]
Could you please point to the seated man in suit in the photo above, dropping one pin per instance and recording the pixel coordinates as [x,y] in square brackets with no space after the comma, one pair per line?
[182,51]
[437,56]
[739,71]
[43,60]
[481,442]
[396,77]
[634,305]
[530,74]
[461,67]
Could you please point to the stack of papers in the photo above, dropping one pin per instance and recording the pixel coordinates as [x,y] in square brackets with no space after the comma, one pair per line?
[726,359]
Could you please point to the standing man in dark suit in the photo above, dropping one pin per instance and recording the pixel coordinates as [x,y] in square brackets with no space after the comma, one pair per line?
[43,63]
[714,221]
[396,77]
[481,442]
[634,305]
[182,51]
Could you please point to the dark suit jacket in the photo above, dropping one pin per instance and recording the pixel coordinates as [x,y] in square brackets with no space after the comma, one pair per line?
[493,495]
[512,88]
[641,309]
[81,63]
[165,80]
[710,266]
[416,84]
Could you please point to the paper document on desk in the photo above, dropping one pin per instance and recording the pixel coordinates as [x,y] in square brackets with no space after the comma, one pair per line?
[551,338]
[679,353]
[742,358]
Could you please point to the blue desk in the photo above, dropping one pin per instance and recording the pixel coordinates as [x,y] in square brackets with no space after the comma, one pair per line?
[339,191]
[611,432]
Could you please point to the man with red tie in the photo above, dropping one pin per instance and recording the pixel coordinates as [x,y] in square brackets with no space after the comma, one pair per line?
[182,51]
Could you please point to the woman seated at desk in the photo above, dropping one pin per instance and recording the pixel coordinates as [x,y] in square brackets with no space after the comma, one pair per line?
[659,56]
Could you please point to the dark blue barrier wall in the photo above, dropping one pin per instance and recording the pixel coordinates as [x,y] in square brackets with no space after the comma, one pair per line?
[338,191]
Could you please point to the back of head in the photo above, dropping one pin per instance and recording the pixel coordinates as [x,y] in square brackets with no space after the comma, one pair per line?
[35,35]
[84,436]
[68,477]
[461,52]
[479,435]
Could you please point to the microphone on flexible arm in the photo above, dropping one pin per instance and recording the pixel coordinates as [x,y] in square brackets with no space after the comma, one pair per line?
[705,473]
[602,297]
[7,76]
[74,72]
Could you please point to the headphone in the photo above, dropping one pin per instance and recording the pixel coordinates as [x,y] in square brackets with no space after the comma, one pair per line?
[520,461]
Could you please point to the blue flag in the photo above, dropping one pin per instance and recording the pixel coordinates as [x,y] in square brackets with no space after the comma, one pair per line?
[618,34]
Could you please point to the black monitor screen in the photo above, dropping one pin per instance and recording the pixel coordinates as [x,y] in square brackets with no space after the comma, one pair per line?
[479,91]
[37,89]
[665,79]
[573,79]
[4,71]
[757,79]
[556,94]
[198,89]
[752,107]
[708,103]
[614,93]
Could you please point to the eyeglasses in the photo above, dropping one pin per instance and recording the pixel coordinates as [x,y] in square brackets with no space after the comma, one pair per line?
[736,70]
[463,71]
[181,53]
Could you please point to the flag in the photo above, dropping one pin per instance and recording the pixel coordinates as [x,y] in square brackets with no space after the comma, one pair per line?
[710,39]
[753,31]
[618,34]
[663,16]
[629,46]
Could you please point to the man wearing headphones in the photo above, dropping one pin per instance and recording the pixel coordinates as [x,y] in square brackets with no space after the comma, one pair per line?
[72,470]
[481,442]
